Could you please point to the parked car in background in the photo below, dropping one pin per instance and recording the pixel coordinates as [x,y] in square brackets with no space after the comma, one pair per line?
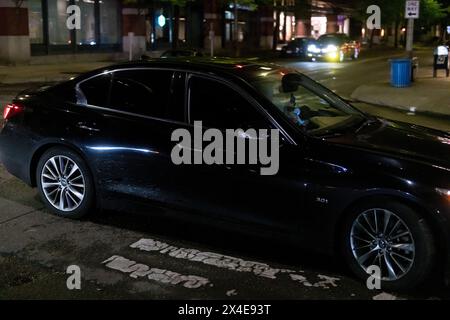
[297,47]
[182,53]
[335,47]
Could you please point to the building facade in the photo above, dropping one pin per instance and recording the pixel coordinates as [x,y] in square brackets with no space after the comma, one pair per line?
[31,28]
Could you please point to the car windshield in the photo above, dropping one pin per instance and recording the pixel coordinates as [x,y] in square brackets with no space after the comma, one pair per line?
[332,39]
[310,106]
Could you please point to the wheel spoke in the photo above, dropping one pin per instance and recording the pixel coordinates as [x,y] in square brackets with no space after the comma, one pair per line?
[387,217]
[361,239]
[77,185]
[375,217]
[55,176]
[394,227]
[50,184]
[55,166]
[61,200]
[400,235]
[403,246]
[390,268]
[402,256]
[397,263]
[365,256]
[362,247]
[75,193]
[74,169]
[71,198]
[365,230]
[369,224]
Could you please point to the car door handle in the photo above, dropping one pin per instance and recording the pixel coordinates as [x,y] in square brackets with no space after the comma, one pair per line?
[91,127]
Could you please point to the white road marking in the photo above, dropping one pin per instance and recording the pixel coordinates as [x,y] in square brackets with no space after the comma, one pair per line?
[209,258]
[138,270]
[385,296]
[231,263]
[231,293]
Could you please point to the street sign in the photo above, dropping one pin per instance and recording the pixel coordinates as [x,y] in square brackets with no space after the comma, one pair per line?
[412,9]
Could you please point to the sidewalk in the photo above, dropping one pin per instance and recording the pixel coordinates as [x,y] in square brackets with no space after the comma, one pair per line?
[426,94]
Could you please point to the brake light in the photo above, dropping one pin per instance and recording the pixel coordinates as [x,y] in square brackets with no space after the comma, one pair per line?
[11,110]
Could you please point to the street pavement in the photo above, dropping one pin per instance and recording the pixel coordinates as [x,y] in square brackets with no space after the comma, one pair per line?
[147,256]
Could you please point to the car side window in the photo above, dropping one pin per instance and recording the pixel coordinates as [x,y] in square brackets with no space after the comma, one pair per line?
[143,92]
[219,106]
[94,91]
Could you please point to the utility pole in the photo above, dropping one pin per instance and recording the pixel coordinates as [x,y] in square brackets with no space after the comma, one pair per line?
[410,38]
[412,8]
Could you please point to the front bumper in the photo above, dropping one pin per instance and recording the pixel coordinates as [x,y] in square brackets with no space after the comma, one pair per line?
[331,56]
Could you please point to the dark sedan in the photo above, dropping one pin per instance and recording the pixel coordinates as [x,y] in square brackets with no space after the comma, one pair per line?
[334,47]
[374,191]
[297,48]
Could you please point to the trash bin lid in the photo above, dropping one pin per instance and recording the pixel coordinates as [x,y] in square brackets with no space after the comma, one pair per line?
[400,60]
[441,51]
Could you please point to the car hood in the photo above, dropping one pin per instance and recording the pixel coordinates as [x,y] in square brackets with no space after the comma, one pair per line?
[403,140]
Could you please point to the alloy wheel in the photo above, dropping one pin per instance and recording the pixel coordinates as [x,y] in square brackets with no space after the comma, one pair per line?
[63,183]
[379,237]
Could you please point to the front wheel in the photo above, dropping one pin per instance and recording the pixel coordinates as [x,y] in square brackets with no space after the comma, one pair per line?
[392,238]
[65,183]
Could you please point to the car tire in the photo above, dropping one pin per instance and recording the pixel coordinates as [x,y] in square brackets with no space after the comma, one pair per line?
[65,183]
[406,235]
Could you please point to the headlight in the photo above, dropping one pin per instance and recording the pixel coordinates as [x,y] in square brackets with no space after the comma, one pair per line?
[444,192]
[330,48]
[313,48]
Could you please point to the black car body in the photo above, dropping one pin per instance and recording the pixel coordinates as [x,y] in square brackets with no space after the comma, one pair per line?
[334,47]
[326,174]
[297,48]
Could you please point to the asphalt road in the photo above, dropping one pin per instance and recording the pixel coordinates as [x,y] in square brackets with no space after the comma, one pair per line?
[148,256]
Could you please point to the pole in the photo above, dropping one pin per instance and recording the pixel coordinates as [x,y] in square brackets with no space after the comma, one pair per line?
[211,38]
[130,42]
[410,37]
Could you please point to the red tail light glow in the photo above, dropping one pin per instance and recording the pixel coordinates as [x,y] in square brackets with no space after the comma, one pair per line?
[11,110]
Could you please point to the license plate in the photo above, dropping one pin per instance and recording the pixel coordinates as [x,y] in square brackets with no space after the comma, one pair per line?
[289,51]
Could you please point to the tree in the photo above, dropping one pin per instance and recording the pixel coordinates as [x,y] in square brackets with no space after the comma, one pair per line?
[392,12]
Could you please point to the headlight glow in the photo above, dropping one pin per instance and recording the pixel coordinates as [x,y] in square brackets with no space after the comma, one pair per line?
[313,48]
[330,48]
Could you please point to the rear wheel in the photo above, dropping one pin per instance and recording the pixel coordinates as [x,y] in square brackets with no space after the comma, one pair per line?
[65,183]
[392,237]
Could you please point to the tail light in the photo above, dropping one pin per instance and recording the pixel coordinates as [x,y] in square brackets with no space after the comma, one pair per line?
[12,110]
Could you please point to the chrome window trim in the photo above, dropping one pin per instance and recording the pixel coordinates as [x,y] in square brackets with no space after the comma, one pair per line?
[188,73]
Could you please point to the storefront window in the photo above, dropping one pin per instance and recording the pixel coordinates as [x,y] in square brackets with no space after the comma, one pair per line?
[35,21]
[86,35]
[58,32]
[109,22]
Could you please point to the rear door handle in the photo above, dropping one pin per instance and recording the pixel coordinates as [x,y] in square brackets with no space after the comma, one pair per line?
[91,127]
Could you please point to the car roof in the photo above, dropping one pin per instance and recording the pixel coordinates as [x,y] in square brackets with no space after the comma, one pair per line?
[227,67]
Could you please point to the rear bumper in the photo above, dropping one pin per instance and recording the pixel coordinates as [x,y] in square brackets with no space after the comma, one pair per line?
[15,150]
